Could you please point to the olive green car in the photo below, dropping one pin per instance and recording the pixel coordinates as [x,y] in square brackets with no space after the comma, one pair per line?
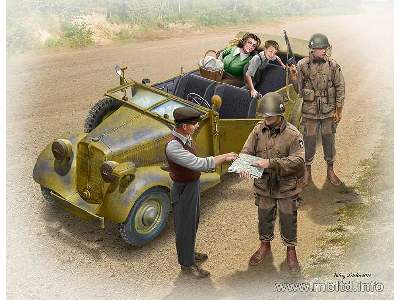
[114,169]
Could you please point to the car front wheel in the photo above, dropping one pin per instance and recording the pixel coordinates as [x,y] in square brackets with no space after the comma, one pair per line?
[147,217]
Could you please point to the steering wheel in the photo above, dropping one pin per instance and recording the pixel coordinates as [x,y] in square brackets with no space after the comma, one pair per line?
[196,98]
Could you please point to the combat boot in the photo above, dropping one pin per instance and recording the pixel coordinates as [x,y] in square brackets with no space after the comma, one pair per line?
[291,259]
[332,176]
[262,252]
[307,176]
[200,257]
[195,271]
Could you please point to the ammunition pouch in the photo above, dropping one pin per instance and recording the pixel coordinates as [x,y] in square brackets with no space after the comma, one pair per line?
[329,101]
[309,103]
[275,186]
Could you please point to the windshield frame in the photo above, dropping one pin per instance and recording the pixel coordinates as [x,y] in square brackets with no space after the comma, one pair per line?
[167,97]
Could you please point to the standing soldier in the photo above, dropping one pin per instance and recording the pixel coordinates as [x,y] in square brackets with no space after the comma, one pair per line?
[185,168]
[280,146]
[320,81]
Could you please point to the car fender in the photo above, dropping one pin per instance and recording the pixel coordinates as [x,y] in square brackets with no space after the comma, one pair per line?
[119,201]
[60,178]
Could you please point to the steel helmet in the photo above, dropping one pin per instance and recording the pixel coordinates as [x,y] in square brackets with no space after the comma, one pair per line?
[271,104]
[319,40]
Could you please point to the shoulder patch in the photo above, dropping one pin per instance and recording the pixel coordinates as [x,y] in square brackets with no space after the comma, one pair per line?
[301,143]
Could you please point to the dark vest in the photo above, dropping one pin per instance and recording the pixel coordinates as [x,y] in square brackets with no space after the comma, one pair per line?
[177,172]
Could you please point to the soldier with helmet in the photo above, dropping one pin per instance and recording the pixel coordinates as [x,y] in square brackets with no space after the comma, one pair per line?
[281,150]
[319,79]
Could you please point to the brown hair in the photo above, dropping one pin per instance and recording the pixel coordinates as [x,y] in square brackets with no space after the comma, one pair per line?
[271,43]
[249,35]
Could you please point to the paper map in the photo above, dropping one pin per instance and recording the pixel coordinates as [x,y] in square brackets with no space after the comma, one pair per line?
[243,163]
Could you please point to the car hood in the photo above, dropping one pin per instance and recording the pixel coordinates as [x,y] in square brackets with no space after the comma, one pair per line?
[125,129]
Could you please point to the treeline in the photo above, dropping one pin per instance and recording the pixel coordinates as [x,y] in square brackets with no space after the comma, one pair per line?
[33,23]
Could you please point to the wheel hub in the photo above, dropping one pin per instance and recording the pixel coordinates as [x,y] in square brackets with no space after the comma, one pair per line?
[149,216]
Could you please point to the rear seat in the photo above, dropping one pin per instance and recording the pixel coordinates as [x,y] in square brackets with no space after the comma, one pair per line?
[272,79]
[235,102]
[192,83]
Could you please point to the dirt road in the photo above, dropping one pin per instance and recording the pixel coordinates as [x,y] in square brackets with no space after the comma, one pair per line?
[52,254]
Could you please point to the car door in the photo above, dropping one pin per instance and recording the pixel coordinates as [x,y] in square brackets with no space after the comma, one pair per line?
[233,134]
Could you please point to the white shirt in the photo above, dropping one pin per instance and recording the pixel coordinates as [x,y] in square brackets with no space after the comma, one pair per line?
[179,155]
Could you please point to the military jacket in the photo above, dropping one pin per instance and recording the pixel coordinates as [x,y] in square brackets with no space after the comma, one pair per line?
[285,150]
[322,87]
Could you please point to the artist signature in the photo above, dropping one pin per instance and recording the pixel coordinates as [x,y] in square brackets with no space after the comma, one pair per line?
[351,275]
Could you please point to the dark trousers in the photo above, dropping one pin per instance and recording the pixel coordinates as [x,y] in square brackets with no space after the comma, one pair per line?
[328,130]
[267,209]
[186,208]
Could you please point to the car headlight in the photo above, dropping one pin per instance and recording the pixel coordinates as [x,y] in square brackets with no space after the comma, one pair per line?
[111,170]
[62,149]
[106,171]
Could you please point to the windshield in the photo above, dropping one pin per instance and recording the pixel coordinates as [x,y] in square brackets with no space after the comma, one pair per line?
[166,109]
[140,96]
[148,99]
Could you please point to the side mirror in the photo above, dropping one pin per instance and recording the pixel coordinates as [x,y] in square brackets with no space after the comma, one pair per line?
[145,80]
[118,70]
[121,73]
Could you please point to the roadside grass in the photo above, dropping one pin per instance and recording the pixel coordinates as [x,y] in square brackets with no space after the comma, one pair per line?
[132,22]
[76,35]
[337,239]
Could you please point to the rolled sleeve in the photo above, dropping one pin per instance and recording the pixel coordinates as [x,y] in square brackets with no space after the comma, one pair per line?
[176,153]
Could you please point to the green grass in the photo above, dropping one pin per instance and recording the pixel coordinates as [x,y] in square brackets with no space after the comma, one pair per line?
[125,34]
[353,214]
[338,228]
[77,35]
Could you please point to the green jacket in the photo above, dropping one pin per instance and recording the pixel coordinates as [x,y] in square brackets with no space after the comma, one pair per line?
[232,63]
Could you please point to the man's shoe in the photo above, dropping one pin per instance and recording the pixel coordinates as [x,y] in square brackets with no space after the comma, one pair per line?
[291,259]
[262,252]
[200,257]
[195,270]
[307,176]
[333,179]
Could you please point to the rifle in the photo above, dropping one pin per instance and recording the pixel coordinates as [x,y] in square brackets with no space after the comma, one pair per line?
[289,61]
[292,59]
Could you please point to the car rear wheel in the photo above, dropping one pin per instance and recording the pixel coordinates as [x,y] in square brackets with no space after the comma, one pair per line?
[47,194]
[99,112]
[147,217]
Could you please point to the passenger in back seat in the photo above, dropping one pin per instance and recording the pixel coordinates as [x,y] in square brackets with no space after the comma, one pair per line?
[259,62]
[236,57]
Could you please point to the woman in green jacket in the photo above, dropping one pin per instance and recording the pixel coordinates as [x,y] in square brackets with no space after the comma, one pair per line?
[236,57]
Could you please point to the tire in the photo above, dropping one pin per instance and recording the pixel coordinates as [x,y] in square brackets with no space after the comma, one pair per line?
[47,195]
[100,111]
[136,230]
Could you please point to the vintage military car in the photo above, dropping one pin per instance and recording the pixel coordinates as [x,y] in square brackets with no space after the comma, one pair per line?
[113,170]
